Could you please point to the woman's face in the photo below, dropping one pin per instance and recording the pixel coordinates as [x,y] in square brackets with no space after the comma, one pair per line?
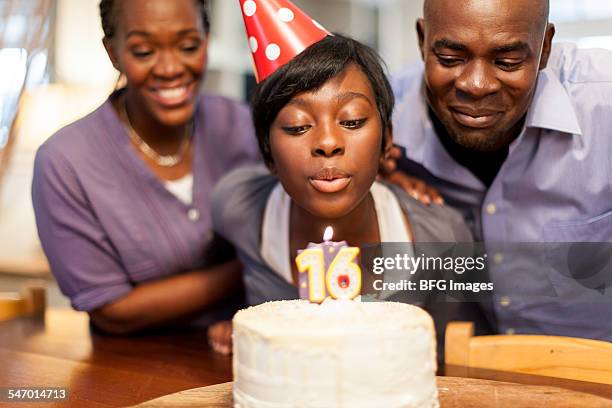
[326,145]
[160,46]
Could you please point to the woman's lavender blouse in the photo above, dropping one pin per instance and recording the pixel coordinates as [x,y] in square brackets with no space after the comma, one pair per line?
[107,223]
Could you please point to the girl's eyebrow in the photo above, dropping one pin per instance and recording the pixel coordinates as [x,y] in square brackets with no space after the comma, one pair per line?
[341,98]
[347,96]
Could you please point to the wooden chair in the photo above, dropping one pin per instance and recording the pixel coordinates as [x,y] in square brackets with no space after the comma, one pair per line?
[551,356]
[31,302]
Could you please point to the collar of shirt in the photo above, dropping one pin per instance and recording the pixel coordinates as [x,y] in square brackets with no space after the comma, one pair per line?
[551,107]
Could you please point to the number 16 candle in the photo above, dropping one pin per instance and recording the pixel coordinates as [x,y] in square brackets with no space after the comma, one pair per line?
[328,269]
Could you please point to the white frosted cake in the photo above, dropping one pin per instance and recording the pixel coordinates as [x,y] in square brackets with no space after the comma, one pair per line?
[337,354]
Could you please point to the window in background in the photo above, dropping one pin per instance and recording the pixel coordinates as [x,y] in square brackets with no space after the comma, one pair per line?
[19,71]
[26,50]
[578,10]
[585,22]
[13,63]
[25,41]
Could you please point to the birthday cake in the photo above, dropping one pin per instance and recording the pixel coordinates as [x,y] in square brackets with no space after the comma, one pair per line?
[338,354]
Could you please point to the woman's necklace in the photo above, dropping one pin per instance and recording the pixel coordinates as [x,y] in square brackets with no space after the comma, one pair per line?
[170,160]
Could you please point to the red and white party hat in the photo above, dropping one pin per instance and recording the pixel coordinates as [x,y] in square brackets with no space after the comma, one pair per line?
[277,31]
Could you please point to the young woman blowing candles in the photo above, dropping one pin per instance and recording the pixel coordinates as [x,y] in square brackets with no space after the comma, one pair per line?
[323,123]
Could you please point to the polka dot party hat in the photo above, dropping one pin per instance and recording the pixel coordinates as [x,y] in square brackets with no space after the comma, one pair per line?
[277,31]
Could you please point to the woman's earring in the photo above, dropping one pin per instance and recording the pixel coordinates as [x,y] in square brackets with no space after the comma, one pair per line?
[121,82]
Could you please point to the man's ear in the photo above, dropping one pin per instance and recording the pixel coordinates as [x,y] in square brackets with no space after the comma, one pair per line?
[110,50]
[547,46]
[420,27]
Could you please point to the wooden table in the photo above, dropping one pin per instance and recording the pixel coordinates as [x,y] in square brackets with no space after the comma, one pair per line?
[103,371]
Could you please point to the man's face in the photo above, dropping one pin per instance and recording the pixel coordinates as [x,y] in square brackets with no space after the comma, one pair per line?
[482,59]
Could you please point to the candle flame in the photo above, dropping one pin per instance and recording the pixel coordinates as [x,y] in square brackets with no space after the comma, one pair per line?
[329,234]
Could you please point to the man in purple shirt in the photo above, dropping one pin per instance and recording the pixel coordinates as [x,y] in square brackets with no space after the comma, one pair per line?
[515,132]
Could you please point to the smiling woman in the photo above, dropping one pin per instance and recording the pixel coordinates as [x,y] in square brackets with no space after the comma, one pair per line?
[122,196]
[160,47]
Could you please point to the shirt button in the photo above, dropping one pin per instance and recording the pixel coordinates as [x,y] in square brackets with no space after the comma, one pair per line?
[193,214]
[510,331]
[491,209]
[498,258]
[504,301]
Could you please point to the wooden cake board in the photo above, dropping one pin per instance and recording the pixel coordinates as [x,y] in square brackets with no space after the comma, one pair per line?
[454,392]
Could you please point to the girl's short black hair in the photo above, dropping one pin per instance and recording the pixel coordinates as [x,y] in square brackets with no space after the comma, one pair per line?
[310,70]
[108,14]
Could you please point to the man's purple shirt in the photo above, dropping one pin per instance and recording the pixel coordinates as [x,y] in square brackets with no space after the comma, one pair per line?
[555,186]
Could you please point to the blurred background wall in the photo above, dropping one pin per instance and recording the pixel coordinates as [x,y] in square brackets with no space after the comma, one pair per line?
[64,73]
